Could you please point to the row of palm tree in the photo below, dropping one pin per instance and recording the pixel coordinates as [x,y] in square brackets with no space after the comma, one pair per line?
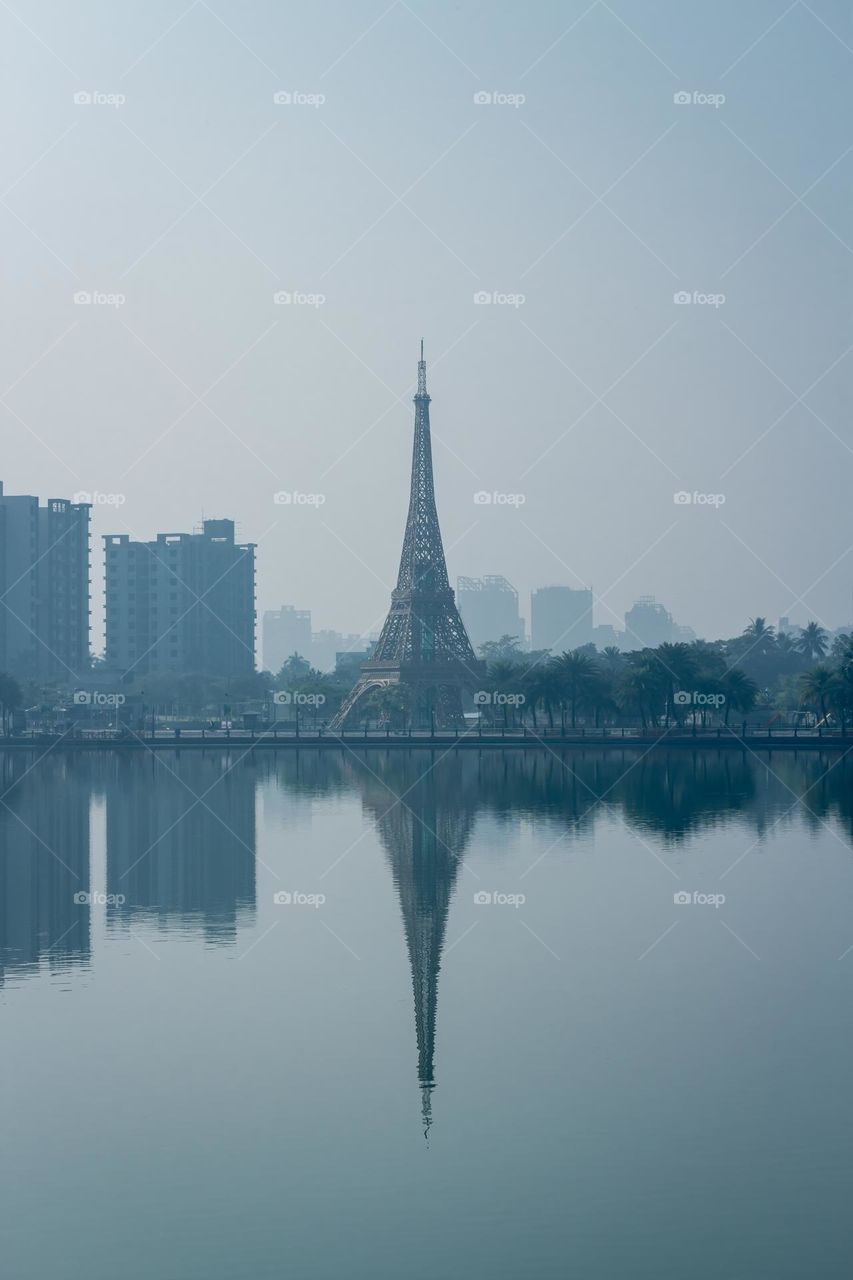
[647,686]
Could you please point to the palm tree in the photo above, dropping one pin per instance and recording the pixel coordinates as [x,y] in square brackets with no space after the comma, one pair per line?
[739,690]
[786,644]
[677,667]
[760,633]
[537,687]
[504,677]
[813,641]
[576,672]
[818,686]
[842,649]
[612,660]
[637,691]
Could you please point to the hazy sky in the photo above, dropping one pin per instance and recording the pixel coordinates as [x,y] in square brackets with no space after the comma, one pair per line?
[397,198]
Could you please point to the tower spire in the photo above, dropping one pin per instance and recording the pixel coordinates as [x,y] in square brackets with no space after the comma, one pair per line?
[422,391]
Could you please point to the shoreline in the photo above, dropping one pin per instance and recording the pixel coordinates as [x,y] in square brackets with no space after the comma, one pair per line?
[757,742]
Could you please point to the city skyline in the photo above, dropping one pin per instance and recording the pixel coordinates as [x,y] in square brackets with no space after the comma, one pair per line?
[597,394]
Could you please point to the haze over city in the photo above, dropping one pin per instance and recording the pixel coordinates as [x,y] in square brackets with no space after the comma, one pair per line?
[397,199]
[426,640]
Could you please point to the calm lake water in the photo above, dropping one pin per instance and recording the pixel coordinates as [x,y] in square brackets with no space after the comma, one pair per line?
[389,1015]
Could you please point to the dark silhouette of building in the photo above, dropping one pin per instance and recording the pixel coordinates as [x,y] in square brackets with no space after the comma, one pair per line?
[184,602]
[44,588]
[423,645]
[648,624]
[489,609]
[560,618]
[285,631]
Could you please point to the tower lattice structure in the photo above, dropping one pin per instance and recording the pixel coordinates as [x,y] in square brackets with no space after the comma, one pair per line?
[423,645]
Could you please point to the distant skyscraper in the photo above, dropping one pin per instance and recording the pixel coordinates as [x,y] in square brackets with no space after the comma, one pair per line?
[44,588]
[184,602]
[560,618]
[489,609]
[327,645]
[648,624]
[285,631]
[605,636]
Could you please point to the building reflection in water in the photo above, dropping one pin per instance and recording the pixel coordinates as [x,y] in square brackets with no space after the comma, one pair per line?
[181,840]
[181,832]
[44,863]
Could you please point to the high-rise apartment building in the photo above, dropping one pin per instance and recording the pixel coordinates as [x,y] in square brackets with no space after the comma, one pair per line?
[648,624]
[489,609]
[560,618]
[184,602]
[285,631]
[44,588]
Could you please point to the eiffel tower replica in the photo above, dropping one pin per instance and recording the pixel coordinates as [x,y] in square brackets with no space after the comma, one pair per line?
[423,645]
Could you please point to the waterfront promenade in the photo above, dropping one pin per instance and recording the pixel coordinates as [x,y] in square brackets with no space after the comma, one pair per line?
[748,738]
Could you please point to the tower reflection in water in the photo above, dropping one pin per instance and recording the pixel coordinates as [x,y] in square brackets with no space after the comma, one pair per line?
[181,833]
[424,815]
